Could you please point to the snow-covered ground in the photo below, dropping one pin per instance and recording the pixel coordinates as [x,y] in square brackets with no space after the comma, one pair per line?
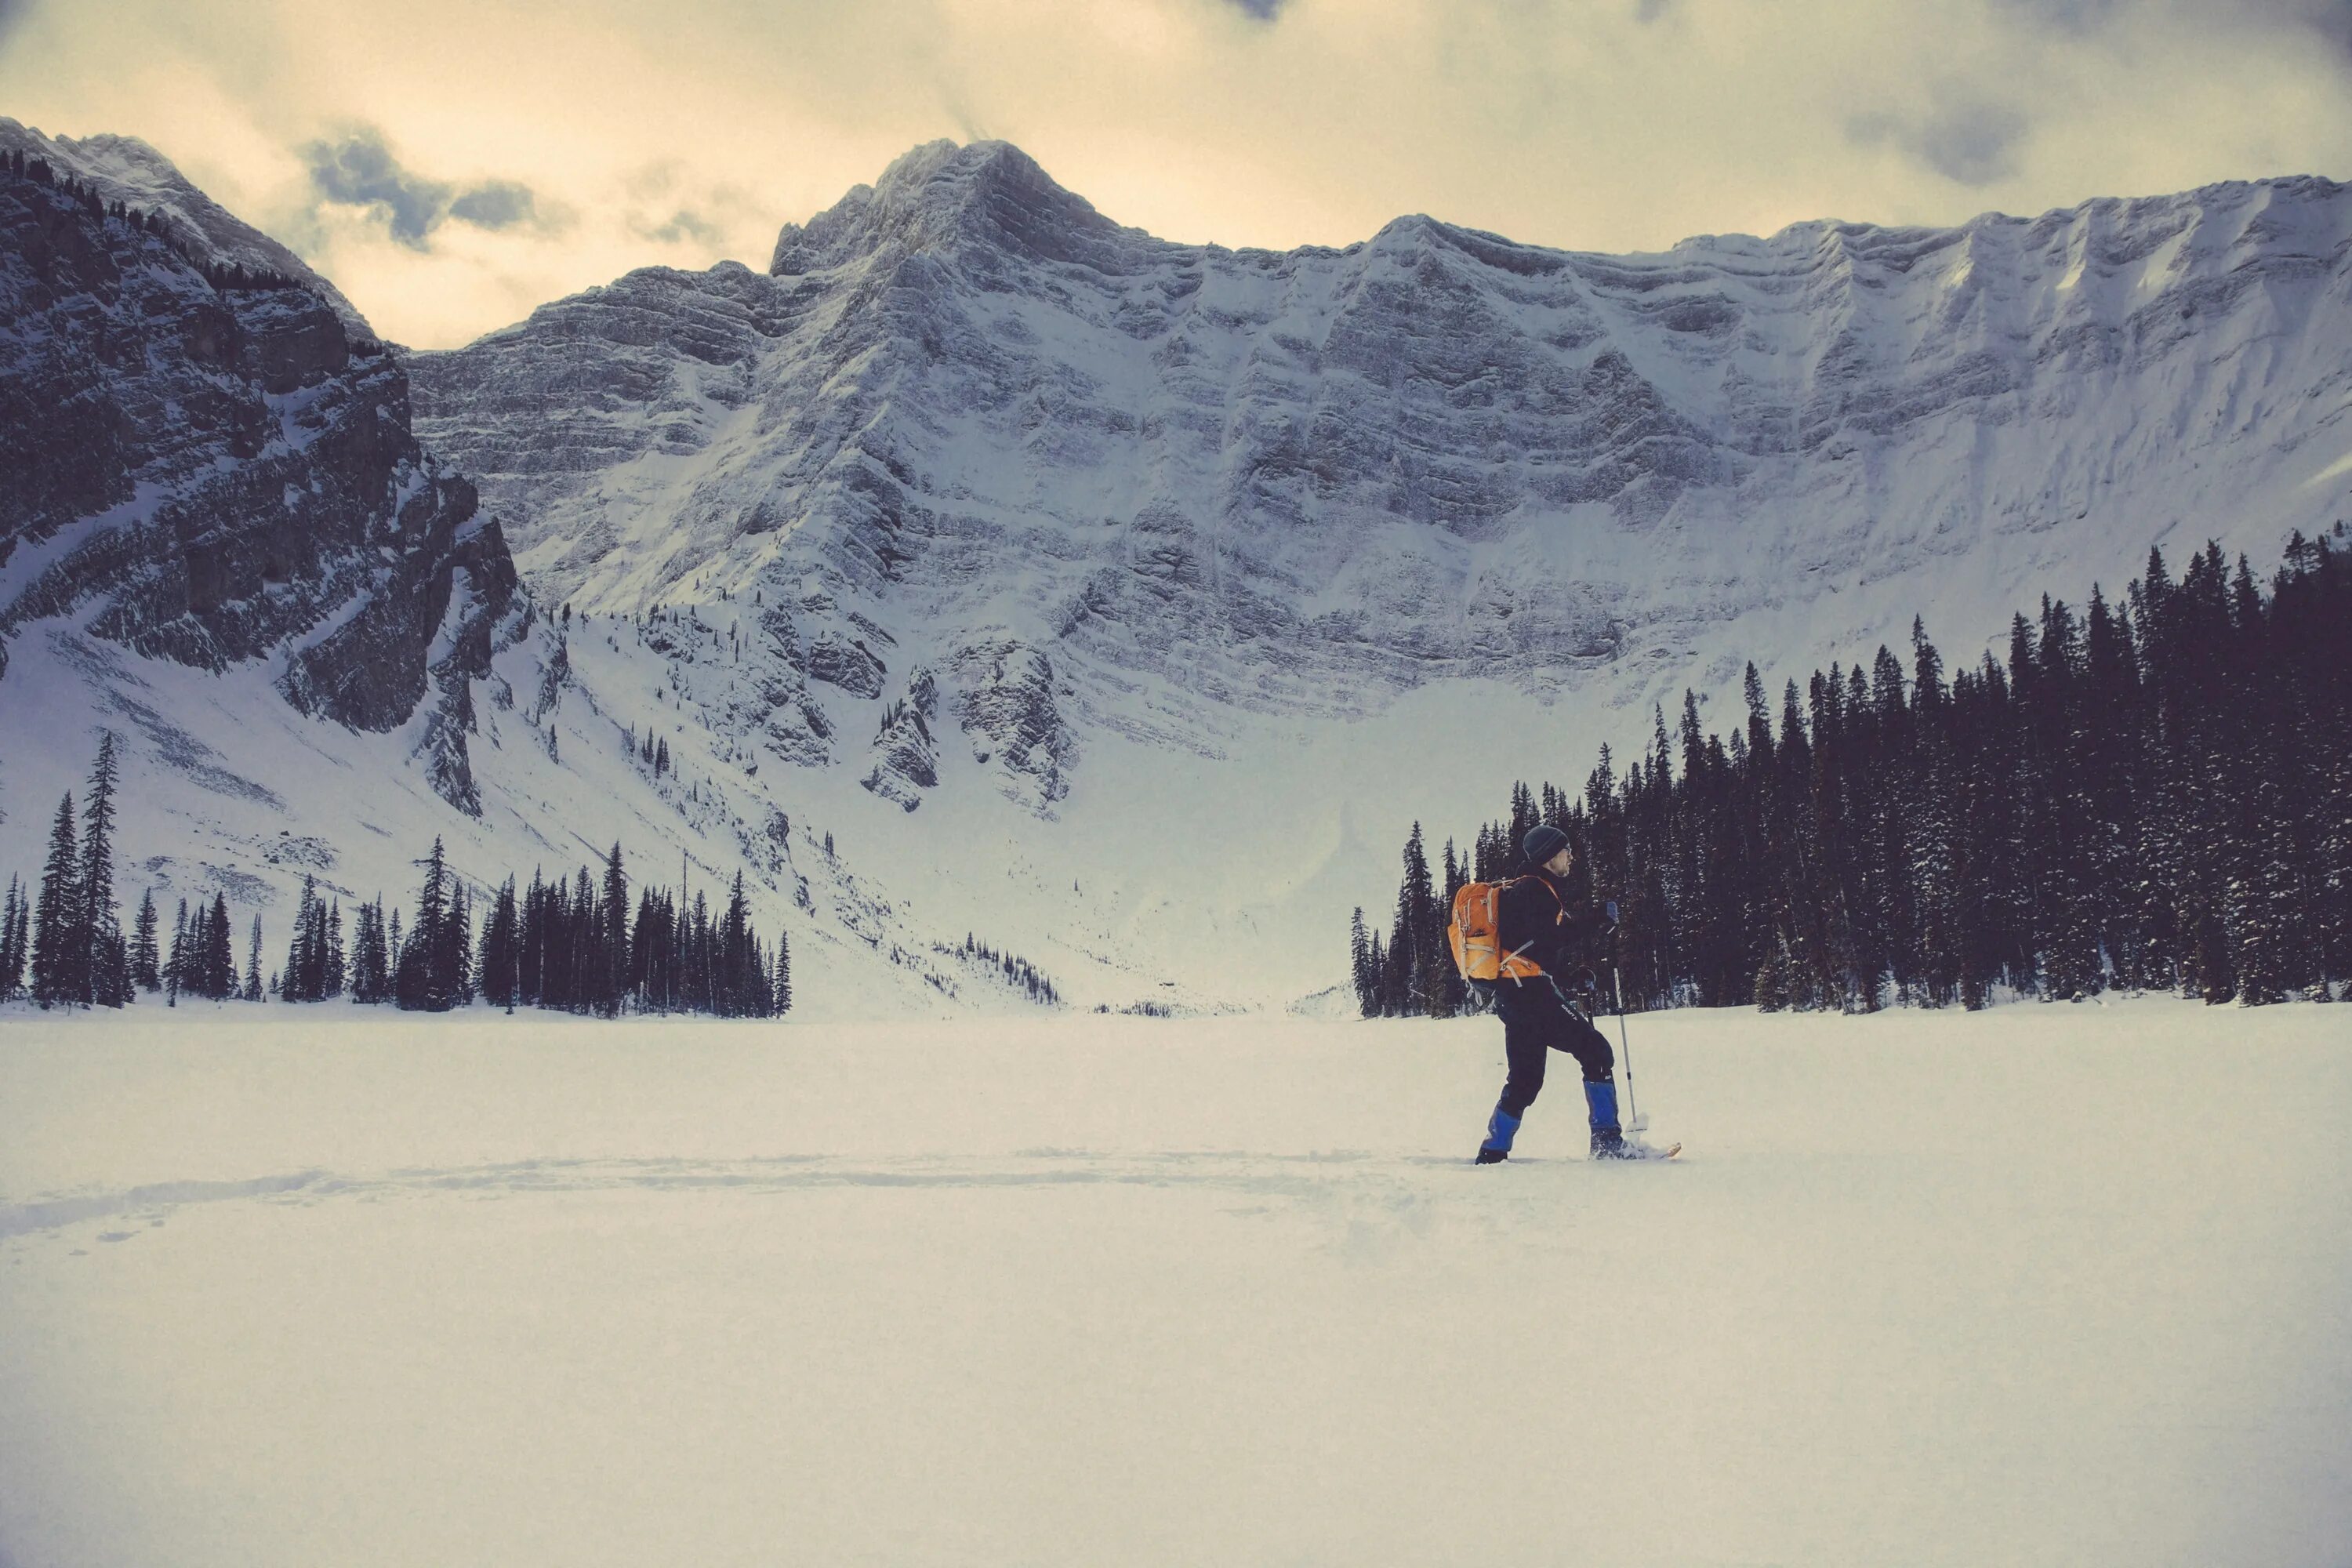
[2043,1285]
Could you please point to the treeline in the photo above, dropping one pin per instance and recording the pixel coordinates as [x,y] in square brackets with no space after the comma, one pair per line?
[580,945]
[1018,972]
[2151,796]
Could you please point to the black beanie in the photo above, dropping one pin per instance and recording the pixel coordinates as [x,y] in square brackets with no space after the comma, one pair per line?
[1543,841]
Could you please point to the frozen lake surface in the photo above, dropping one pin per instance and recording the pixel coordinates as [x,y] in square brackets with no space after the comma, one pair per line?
[288,1286]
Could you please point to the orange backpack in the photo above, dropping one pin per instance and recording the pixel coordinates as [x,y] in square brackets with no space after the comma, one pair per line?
[1476,933]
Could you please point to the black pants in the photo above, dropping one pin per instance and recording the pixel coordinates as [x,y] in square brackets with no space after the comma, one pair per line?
[1538,1019]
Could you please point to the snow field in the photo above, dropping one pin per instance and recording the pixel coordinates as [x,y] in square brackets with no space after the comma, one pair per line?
[2045,1284]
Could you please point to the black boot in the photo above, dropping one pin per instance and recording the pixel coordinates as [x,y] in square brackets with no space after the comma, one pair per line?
[1501,1128]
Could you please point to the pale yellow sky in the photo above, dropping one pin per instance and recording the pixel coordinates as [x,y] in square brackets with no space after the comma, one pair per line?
[489,157]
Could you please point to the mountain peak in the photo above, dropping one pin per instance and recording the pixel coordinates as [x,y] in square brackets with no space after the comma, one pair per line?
[954,164]
[943,193]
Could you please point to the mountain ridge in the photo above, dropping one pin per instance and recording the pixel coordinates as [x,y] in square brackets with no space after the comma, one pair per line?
[1118,599]
[126,169]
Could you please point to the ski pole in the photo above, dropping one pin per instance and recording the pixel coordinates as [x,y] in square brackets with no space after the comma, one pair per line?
[1624,1048]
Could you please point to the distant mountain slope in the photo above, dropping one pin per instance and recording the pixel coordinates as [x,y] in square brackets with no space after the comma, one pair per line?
[221,540]
[1117,601]
[967,432]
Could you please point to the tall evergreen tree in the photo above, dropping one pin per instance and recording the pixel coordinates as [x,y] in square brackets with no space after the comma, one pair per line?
[426,976]
[106,980]
[146,957]
[253,983]
[501,950]
[12,945]
[305,978]
[60,942]
[611,950]
[1363,973]
[338,967]
[219,961]
[179,970]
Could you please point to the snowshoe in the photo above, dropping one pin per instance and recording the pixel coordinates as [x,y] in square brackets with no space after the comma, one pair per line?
[1608,1143]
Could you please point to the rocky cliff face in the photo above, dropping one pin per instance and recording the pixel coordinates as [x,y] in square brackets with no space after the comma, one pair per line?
[1098,479]
[213,472]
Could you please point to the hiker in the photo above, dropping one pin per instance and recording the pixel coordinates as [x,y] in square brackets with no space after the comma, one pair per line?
[1541,1011]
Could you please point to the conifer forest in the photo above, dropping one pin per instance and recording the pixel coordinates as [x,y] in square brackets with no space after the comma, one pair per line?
[2149,795]
[575,945]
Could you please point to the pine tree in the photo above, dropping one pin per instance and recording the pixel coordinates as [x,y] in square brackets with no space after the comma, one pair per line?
[305,978]
[145,958]
[1363,971]
[60,944]
[219,961]
[427,973]
[12,942]
[179,971]
[783,975]
[612,957]
[105,980]
[501,950]
[336,958]
[457,950]
[253,985]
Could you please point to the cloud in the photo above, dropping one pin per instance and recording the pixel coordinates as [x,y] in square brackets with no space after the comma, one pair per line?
[684,225]
[2261,21]
[360,170]
[1245,122]
[1970,142]
[497,203]
[2076,16]
[2328,20]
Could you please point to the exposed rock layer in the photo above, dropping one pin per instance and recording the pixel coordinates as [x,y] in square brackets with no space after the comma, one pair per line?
[215,475]
[966,407]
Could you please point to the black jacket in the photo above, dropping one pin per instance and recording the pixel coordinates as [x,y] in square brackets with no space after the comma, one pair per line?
[1536,914]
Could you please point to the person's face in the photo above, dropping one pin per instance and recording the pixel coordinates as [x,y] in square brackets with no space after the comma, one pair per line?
[1562,863]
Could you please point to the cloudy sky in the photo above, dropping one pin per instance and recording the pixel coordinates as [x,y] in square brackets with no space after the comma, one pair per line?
[451,163]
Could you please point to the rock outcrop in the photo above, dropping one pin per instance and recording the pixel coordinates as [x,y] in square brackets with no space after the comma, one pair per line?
[205,466]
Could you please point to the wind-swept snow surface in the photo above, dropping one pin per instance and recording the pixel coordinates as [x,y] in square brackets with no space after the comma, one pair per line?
[2048,1285]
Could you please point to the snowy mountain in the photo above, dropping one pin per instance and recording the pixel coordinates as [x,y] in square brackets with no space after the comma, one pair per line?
[1121,600]
[215,474]
[125,169]
[220,539]
[965,418]
[995,487]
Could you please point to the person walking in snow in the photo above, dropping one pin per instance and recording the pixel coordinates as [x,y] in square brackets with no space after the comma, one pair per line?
[1540,1014]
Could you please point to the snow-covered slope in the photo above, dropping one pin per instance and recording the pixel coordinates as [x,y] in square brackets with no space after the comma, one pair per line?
[1937,1290]
[1121,602]
[1144,533]
[968,408]
[220,540]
